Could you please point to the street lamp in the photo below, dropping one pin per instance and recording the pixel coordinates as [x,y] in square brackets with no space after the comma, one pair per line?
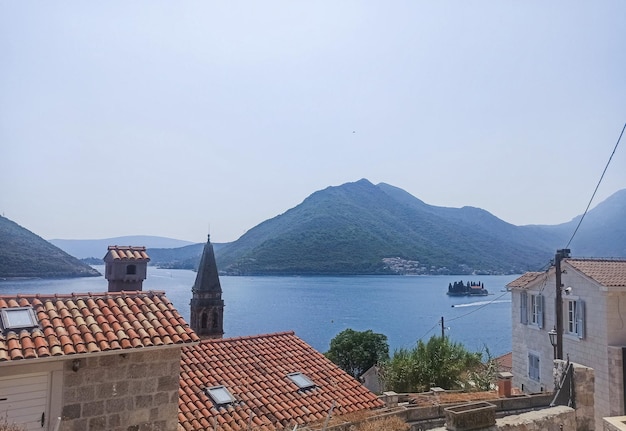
[553,339]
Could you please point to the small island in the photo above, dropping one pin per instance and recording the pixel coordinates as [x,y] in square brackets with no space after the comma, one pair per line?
[471,288]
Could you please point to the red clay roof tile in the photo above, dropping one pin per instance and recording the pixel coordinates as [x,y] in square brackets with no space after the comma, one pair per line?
[119,252]
[607,272]
[254,370]
[77,323]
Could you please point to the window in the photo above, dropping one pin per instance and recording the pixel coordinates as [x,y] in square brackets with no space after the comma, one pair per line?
[302,381]
[576,317]
[523,312]
[533,366]
[220,395]
[18,318]
[131,269]
[536,309]
[531,313]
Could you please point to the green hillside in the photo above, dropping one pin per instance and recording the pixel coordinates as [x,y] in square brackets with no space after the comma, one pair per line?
[351,229]
[24,254]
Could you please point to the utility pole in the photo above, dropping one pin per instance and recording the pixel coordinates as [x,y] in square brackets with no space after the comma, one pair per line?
[560,255]
[443,333]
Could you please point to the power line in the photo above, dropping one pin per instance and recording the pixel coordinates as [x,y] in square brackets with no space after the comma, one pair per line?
[461,316]
[598,185]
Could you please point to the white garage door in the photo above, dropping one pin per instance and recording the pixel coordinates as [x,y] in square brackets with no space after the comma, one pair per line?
[24,400]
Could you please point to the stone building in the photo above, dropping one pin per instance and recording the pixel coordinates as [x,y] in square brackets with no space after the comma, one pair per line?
[593,295]
[106,361]
[207,307]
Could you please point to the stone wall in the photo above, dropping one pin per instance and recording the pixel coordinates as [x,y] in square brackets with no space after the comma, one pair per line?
[584,400]
[616,423]
[558,418]
[616,381]
[134,391]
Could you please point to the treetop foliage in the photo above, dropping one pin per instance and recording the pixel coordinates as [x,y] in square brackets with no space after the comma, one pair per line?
[355,352]
[438,362]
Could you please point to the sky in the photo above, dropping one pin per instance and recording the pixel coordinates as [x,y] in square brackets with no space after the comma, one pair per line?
[177,119]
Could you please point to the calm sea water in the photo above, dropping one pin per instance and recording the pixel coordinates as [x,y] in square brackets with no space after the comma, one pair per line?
[404,308]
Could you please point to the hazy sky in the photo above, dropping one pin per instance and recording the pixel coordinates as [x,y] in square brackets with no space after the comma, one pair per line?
[162,118]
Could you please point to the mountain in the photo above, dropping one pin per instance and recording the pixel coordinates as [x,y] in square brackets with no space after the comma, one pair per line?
[187,257]
[361,228]
[24,254]
[84,248]
[602,232]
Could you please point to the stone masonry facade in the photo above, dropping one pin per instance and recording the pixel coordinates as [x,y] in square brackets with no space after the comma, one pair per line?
[584,387]
[135,391]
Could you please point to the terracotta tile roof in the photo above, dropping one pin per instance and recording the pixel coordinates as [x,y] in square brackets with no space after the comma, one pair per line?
[93,322]
[607,272]
[122,252]
[526,279]
[254,370]
[505,362]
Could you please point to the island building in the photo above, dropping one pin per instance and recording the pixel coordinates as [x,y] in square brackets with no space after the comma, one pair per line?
[126,267]
[207,306]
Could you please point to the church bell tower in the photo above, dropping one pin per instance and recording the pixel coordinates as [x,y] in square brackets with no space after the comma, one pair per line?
[207,306]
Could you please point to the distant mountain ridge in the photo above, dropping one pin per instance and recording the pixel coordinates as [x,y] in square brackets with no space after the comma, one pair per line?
[362,228]
[84,248]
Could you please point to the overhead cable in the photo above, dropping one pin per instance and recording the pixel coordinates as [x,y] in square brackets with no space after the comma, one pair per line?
[598,185]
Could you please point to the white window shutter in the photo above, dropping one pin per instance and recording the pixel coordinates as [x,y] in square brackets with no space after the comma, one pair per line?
[580,318]
[523,308]
[540,301]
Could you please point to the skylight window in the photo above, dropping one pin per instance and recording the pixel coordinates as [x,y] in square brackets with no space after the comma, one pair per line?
[302,381]
[220,395]
[18,318]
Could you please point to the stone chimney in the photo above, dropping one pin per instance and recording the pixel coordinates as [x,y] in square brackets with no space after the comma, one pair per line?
[126,267]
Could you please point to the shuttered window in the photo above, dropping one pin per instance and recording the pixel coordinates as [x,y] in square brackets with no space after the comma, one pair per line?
[576,317]
[533,366]
[580,318]
[536,306]
[523,308]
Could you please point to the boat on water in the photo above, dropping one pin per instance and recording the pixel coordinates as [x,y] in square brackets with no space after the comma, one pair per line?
[471,288]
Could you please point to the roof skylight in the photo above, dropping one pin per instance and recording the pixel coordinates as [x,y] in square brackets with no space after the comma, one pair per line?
[18,318]
[220,395]
[302,381]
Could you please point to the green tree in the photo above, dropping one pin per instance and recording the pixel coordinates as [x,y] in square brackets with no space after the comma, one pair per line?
[355,352]
[439,362]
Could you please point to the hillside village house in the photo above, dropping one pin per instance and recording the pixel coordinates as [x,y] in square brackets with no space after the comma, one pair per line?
[594,328]
[104,361]
[93,361]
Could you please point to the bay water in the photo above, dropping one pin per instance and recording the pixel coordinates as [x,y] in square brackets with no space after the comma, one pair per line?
[404,308]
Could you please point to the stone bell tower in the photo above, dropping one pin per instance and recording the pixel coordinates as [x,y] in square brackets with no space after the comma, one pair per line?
[207,306]
[126,267]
